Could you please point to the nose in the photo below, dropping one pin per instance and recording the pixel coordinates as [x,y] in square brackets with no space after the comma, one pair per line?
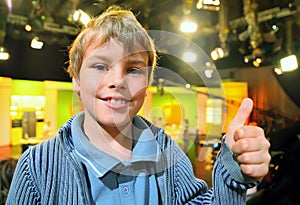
[116,79]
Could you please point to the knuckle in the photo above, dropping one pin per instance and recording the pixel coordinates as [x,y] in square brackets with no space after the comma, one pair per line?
[265,170]
[245,158]
[268,144]
[268,158]
[247,170]
[244,143]
[261,131]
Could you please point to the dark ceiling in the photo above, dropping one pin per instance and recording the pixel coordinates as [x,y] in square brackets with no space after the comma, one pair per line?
[57,32]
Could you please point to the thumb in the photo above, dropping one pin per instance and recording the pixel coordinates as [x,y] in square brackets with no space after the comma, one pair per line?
[240,118]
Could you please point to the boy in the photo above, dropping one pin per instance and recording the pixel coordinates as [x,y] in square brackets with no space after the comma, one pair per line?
[109,155]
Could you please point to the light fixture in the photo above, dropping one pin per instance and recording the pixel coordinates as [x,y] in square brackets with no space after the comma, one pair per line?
[35,24]
[223,50]
[4,55]
[289,63]
[278,71]
[213,5]
[188,26]
[255,56]
[257,62]
[36,43]
[220,52]
[79,16]
[28,27]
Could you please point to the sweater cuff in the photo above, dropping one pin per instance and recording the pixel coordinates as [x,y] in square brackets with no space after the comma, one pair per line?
[232,167]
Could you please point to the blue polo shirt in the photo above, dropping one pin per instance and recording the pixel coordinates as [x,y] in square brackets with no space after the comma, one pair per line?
[111,181]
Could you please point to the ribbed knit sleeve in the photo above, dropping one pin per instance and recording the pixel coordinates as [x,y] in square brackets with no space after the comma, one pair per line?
[229,184]
[184,186]
[23,189]
[46,174]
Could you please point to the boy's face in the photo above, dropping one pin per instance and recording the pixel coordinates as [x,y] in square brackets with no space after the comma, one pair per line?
[112,84]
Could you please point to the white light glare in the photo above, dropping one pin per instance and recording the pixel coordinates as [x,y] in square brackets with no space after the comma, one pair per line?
[9,5]
[219,53]
[188,86]
[36,43]
[208,4]
[211,2]
[278,71]
[189,56]
[4,55]
[188,27]
[81,16]
[208,73]
[289,63]
[274,29]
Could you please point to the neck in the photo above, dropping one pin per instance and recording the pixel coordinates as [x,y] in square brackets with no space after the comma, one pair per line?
[114,141]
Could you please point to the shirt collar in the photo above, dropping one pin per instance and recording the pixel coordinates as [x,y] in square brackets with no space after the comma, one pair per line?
[145,149]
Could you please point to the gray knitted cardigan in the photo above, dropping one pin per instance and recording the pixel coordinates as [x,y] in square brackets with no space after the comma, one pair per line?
[49,174]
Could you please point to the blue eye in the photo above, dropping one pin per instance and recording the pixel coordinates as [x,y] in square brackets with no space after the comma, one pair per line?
[101,67]
[134,70]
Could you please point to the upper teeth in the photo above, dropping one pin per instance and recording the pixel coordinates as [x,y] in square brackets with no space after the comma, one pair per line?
[114,101]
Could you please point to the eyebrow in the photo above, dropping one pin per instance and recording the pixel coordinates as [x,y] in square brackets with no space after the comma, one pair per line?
[99,57]
[136,61]
[135,58]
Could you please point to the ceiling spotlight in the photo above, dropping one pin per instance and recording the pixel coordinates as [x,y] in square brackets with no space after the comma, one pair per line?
[79,16]
[255,55]
[28,27]
[219,53]
[36,43]
[188,27]
[35,24]
[275,28]
[213,5]
[278,71]
[257,62]
[4,55]
[289,63]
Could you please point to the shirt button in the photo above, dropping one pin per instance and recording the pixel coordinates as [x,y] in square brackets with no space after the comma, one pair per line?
[125,189]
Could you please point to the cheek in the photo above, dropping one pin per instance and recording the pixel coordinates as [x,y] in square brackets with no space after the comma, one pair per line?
[89,87]
[88,90]
[137,90]
[139,97]
[90,80]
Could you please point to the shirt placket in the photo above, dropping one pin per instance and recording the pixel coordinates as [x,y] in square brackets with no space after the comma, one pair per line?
[126,191]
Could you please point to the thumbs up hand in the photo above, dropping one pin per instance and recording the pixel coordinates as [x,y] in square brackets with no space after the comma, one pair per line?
[248,143]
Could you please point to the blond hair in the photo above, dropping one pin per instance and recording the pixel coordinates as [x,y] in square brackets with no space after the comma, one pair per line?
[113,23]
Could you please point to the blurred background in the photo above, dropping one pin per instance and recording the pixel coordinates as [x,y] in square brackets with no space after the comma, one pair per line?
[251,47]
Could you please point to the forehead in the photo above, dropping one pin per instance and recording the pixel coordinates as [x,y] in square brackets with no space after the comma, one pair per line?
[116,50]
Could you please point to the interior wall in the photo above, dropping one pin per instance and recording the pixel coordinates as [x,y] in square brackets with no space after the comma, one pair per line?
[5,93]
[267,93]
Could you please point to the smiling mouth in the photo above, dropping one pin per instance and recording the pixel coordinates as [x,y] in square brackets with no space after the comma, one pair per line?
[114,101]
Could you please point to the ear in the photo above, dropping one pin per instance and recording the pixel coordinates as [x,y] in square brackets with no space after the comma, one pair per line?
[76,86]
